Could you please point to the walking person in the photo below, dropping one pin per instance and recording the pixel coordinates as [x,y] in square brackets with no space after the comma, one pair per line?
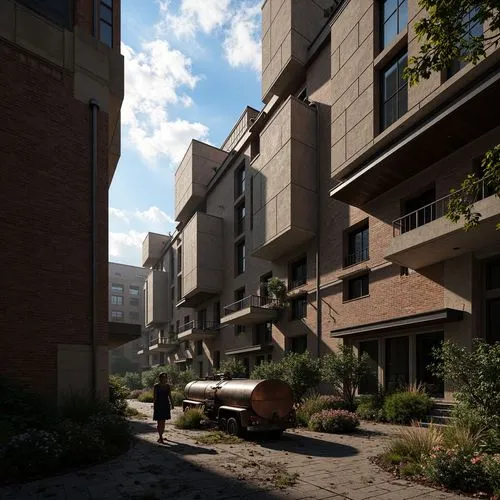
[162,404]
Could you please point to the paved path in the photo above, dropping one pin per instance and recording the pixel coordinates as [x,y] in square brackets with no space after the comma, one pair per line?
[329,466]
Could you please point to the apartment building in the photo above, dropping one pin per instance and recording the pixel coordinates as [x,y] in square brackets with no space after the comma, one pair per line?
[61,88]
[338,187]
[126,311]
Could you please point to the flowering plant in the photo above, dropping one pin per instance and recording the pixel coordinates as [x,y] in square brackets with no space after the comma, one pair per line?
[334,421]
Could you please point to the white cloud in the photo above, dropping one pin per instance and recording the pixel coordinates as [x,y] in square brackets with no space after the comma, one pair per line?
[154,215]
[242,45]
[119,214]
[126,247]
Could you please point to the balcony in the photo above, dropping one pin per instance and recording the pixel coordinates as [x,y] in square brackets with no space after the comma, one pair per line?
[198,330]
[203,265]
[238,131]
[287,32]
[253,309]
[284,182]
[163,344]
[193,175]
[156,290]
[425,236]
[152,248]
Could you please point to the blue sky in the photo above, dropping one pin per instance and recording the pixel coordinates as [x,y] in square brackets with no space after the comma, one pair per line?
[191,66]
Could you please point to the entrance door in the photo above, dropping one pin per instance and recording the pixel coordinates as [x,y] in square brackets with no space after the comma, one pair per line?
[426,342]
[246,364]
[396,363]
[369,383]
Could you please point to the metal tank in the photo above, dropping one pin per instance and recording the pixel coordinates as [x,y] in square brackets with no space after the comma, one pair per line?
[267,398]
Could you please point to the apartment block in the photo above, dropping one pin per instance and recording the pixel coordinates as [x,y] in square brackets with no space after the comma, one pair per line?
[61,89]
[126,316]
[339,186]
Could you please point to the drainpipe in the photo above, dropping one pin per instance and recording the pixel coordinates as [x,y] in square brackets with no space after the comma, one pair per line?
[94,108]
[95,17]
[314,105]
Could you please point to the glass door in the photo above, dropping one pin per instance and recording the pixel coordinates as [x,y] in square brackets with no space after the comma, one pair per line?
[396,363]
[369,383]
[426,343]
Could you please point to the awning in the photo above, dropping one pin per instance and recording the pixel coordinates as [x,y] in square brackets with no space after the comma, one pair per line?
[423,319]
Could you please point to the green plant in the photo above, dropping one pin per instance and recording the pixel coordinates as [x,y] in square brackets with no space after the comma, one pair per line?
[80,407]
[233,366]
[135,393]
[334,421]
[81,444]
[277,290]
[190,419]
[146,397]
[177,397]
[315,404]
[132,380]
[344,369]
[491,466]
[371,406]
[302,372]
[415,442]
[268,371]
[218,437]
[404,407]
[464,437]
[118,394]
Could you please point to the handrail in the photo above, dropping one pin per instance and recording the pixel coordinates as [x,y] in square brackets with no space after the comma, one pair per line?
[356,257]
[250,301]
[438,208]
[296,283]
[163,340]
[199,325]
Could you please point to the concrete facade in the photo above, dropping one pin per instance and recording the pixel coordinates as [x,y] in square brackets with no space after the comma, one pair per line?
[55,68]
[347,175]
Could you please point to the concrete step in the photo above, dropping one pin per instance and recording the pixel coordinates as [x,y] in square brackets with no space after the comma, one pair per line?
[441,412]
[428,424]
[437,419]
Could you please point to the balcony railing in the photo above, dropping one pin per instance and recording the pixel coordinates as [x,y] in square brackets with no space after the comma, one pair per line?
[250,301]
[439,208]
[356,257]
[163,340]
[199,325]
[296,283]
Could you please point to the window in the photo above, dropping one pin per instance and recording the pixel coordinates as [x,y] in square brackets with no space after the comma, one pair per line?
[179,288]
[134,302]
[264,291]
[106,22]
[298,344]
[357,287]
[117,315]
[116,288]
[240,258]
[357,246]
[239,181]
[419,210]
[216,360]
[259,360]
[299,307]
[217,313]
[202,318]
[394,18]
[298,273]
[199,347]
[133,316]
[134,290]
[57,11]
[269,358]
[117,300]
[172,266]
[179,259]
[474,29]
[394,97]
[239,219]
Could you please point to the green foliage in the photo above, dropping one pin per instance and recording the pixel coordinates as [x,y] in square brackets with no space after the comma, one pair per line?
[277,290]
[491,466]
[371,406]
[176,378]
[146,397]
[132,380]
[404,407]
[81,444]
[414,442]
[190,419]
[177,397]
[80,408]
[233,366]
[475,376]
[444,35]
[344,370]
[118,394]
[268,371]
[315,404]
[334,421]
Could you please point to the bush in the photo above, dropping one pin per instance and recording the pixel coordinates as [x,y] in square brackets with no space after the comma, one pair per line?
[118,394]
[233,366]
[176,378]
[114,430]
[81,444]
[146,397]
[463,437]
[334,421]
[177,397]
[491,466]
[268,371]
[315,404]
[403,407]
[135,393]
[132,380]
[190,419]
[82,407]
[415,442]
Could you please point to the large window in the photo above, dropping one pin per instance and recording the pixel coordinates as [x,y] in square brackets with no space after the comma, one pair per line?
[357,287]
[106,22]
[240,257]
[357,245]
[57,11]
[134,302]
[117,300]
[299,307]
[298,273]
[239,212]
[117,315]
[239,181]
[134,290]
[394,19]
[394,96]
[116,288]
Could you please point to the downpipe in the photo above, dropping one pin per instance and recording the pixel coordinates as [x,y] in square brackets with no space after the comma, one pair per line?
[94,108]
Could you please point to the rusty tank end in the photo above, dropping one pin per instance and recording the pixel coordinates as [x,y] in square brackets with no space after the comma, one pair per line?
[267,398]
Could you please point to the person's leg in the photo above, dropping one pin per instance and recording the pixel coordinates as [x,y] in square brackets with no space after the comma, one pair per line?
[161,429]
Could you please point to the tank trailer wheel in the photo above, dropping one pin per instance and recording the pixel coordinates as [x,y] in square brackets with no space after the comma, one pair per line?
[233,427]
[222,424]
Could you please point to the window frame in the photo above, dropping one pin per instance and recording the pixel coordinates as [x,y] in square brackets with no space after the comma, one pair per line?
[240,264]
[348,283]
[383,23]
[299,263]
[240,181]
[298,313]
[134,290]
[117,300]
[117,288]
[239,222]
[117,315]
[105,6]
[350,235]
[404,88]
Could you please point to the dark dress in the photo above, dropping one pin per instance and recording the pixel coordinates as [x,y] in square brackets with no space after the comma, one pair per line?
[161,410]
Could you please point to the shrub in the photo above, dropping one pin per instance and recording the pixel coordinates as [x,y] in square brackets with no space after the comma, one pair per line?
[315,404]
[146,397]
[415,442]
[190,419]
[118,394]
[114,430]
[135,394]
[403,407]
[463,437]
[80,407]
[81,444]
[132,380]
[177,397]
[233,366]
[334,421]
[268,371]
[491,466]
[367,410]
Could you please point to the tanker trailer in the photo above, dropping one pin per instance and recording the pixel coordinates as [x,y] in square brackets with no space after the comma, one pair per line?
[241,406]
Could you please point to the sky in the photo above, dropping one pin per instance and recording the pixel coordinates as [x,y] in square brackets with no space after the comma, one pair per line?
[191,67]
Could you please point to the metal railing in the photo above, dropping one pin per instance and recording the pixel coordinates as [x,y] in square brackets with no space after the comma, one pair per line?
[171,339]
[439,208]
[356,257]
[199,325]
[250,301]
[296,283]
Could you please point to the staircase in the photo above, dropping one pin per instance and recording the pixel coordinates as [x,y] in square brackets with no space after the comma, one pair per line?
[440,414]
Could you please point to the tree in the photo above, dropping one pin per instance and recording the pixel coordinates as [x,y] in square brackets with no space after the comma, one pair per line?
[344,369]
[233,366]
[449,33]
